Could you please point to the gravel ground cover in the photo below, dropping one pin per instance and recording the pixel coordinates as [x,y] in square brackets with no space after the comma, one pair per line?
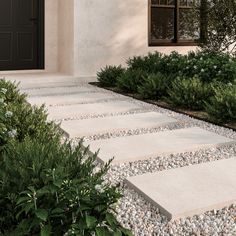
[139,215]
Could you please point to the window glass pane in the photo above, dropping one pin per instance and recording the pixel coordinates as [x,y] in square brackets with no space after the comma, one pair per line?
[188,3]
[162,23]
[188,24]
[163,2]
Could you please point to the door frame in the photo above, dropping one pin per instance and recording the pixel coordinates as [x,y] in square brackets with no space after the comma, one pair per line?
[41,34]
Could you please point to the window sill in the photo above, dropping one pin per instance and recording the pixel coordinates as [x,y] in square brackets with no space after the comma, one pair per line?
[171,44]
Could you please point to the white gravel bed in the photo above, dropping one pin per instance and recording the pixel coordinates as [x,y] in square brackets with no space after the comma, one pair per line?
[145,220]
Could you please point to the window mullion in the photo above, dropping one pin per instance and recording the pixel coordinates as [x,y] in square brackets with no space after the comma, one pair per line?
[177,21]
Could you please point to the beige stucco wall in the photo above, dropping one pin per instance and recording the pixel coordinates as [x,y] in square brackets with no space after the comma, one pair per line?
[110,31]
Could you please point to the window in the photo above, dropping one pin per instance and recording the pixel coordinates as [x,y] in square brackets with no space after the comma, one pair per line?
[173,22]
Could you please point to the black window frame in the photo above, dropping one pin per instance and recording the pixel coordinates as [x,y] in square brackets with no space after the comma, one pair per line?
[176,41]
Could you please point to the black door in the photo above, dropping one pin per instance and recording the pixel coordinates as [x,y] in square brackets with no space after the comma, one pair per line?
[21,34]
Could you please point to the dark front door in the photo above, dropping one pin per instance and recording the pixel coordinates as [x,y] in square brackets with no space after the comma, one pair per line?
[21,34]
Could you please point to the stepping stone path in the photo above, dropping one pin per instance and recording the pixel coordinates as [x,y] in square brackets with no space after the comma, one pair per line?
[68,99]
[80,128]
[96,109]
[191,190]
[144,146]
[179,192]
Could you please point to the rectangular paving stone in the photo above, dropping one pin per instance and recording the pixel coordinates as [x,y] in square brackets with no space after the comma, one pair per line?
[69,99]
[190,190]
[80,110]
[144,146]
[79,128]
[58,91]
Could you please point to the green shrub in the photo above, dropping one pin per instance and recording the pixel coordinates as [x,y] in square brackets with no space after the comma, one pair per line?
[222,106]
[173,64]
[154,86]
[108,76]
[148,64]
[210,66]
[189,93]
[53,189]
[49,187]
[18,119]
[130,80]
[10,92]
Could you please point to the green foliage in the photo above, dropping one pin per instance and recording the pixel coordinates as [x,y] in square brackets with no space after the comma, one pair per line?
[49,187]
[210,66]
[218,25]
[189,93]
[53,189]
[154,86]
[130,80]
[18,119]
[222,106]
[109,75]
[173,64]
[148,64]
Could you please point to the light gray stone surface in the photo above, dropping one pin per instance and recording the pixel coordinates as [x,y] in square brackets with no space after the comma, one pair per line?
[80,110]
[80,128]
[59,90]
[69,99]
[190,190]
[144,146]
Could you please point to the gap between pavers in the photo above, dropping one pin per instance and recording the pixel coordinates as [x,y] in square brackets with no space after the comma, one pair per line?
[144,146]
[81,110]
[81,128]
[67,99]
[191,190]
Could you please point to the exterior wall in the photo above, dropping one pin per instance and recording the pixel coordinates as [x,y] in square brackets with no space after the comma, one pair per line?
[51,31]
[112,31]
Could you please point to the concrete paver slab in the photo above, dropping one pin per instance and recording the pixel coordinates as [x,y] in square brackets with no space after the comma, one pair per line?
[79,128]
[58,91]
[69,99]
[190,190]
[80,110]
[139,147]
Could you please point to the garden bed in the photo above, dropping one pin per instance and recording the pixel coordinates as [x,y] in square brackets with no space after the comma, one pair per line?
[200,84]
[200,115]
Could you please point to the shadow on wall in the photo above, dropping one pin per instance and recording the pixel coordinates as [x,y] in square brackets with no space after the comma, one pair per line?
[112,32]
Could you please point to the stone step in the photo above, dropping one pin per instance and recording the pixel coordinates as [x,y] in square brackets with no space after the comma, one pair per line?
[191,190]
[81,110]
[58,91]
[80,128]
[70,99]
[144,146]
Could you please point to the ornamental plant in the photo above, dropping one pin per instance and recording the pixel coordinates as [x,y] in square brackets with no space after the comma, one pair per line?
[50,188]
[109,75]
[130,80]
[154,86]
[189,93]
[222,106]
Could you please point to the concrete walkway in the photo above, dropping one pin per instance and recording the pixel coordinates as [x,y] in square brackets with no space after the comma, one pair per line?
[141,132]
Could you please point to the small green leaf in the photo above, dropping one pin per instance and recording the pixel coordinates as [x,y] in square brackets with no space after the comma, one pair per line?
[46,230]
[91,221]
[102,231]
[41,214]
